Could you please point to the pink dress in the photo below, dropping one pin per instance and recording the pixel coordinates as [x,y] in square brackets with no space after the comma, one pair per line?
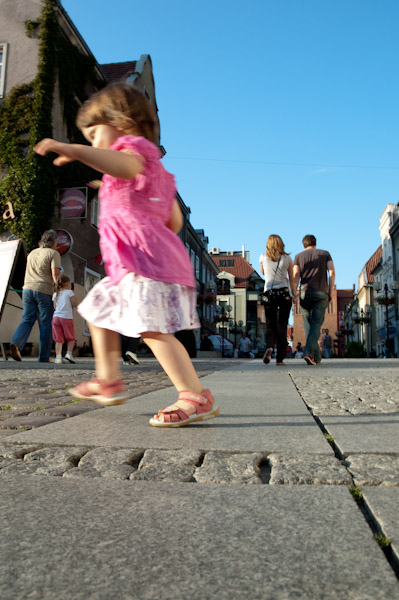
[150,284]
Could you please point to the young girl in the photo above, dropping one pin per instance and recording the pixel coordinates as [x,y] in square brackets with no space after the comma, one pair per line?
[150,288]
[64,301]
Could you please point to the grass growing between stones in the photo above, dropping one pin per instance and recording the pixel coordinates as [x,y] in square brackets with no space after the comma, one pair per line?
[356,493]
[383,541]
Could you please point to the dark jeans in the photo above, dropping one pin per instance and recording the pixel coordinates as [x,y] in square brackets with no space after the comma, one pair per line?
[277,312]
[313,308]
[35,305]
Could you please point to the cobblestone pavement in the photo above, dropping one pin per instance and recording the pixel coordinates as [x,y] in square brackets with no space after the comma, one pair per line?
[355,391]
[33,397]
[33,394]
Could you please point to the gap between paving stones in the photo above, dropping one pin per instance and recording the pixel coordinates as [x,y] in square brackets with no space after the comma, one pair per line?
[363,469]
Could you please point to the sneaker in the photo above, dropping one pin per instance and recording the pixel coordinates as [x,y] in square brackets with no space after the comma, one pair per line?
[310,360]
[133,357]
[58,360]
[15,352]
[267,355]
[68,356]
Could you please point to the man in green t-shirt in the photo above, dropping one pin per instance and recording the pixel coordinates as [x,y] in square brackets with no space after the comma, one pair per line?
[43,269]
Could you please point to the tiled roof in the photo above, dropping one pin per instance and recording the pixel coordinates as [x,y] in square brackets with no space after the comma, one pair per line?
[372,263]
[241,270]
[118,71]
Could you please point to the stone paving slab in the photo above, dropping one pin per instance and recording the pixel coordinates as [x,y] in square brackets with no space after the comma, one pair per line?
[364,433]
[99,539]
[374,469]
[261,410]
[384,503]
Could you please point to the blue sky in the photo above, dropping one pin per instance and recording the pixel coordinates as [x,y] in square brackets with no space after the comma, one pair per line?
[277,116]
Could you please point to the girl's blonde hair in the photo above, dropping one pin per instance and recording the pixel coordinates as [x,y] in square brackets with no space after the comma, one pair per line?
[274,247]
[121,106]
[62,281]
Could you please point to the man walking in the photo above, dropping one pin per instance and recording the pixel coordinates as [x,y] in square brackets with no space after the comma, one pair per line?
[326,344]
[42,271]
[310,269]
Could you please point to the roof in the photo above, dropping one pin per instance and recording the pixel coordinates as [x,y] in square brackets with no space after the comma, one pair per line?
[372,263]
[241,270]
[119,71]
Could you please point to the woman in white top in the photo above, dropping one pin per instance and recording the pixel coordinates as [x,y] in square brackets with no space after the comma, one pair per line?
[276,266]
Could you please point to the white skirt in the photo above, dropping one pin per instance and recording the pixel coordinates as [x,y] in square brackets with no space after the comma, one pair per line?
[137,304]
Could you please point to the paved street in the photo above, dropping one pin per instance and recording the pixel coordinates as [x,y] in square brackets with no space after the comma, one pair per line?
[291,493]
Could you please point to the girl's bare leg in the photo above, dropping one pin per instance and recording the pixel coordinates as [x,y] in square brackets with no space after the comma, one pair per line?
[107,352]
[58,348]
[70,346]
[175,361]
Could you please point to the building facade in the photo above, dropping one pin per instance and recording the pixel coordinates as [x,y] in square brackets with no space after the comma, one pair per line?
[46,72]
[238,289]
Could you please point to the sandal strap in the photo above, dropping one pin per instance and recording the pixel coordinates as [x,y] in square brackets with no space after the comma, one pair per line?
[202,403]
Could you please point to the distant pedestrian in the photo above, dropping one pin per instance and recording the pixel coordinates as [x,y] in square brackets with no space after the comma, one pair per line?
[276,266]
[245,346]
[150,288]
[129,347]
[311,268]
[326,344]
[64,301]
[298,350]
[43,269]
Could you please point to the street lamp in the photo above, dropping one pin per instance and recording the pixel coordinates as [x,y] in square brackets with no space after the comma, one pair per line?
[363,317]
[223,316]
[387,300]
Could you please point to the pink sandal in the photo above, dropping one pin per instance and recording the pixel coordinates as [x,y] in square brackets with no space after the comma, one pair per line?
[176,416]
[106,393]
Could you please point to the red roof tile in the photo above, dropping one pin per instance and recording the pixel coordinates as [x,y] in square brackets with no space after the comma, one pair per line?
[118,71]
[241,270]
[372,263]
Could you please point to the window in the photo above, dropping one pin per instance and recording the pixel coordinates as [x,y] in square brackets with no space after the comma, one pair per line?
[230,262]
[95,211]
[3,63]
[222,263]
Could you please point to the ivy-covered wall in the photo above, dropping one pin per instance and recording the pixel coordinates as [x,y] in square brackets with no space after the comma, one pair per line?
[29,182]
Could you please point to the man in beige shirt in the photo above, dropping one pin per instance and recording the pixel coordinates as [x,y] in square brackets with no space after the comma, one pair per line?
[42,271]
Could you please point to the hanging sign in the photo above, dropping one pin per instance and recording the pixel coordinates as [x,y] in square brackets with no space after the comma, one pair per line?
[73,203]
[64,241]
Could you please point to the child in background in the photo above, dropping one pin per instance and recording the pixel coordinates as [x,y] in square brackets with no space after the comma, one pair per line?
[62,324]
[150,289]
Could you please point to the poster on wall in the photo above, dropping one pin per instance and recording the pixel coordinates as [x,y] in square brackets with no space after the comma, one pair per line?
[91,278]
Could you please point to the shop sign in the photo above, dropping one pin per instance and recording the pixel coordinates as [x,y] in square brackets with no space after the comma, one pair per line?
[64,241]
[73,202]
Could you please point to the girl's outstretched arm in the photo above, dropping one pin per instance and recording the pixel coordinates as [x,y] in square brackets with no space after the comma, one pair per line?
[175,222]
[118,164]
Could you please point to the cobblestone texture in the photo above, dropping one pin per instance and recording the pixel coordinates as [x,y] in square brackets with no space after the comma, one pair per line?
[356,394]
[374,469]
[167,465]
[32,397]
[311,469]
[219,467]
